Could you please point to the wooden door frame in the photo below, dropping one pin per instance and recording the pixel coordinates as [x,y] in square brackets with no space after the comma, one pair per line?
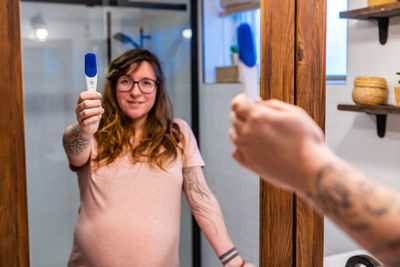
[14,237]
[293,70]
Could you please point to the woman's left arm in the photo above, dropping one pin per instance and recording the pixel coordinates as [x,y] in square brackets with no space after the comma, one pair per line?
[207,212]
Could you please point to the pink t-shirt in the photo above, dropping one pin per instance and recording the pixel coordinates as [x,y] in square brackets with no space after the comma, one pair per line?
[130,213]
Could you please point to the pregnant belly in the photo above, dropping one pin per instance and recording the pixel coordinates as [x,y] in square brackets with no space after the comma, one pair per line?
[111,241]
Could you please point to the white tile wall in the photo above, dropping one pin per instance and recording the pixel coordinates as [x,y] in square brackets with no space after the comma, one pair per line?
[352,135]
[236,188]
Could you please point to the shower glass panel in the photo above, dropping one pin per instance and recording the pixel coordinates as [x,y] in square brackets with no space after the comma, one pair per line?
[55,38]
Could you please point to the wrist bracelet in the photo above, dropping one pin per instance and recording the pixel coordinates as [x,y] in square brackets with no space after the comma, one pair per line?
[230,258]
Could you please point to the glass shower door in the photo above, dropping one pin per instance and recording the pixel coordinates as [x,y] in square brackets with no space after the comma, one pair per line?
[167,34]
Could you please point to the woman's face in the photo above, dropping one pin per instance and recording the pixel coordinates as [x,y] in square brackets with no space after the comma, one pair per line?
[134,103]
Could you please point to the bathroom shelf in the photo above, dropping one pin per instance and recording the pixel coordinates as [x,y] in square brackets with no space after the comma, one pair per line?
[381,13]
[236,8]
[379,111]
[228,74]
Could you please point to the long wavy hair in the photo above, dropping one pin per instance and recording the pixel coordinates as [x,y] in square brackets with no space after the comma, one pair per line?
[161,135]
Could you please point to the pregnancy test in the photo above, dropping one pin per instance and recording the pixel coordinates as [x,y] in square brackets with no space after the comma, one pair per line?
[91,75]
[248,71]
[90,72]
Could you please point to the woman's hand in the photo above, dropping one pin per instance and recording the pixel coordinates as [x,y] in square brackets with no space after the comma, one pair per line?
[88,112]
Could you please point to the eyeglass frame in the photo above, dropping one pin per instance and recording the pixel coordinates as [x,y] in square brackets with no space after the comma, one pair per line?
[137,82]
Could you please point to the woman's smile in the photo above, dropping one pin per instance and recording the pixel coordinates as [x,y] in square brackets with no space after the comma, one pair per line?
[135,102]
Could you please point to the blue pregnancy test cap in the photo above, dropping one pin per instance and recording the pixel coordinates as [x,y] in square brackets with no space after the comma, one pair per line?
[90,65]
[247,51]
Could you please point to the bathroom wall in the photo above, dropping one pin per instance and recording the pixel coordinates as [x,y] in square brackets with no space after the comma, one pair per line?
[236,188]
[352,135]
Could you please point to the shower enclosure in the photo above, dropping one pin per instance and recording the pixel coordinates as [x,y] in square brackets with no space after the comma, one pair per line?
[55,36]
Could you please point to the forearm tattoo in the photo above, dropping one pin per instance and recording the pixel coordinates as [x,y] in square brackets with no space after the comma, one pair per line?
[73,141]
[200,198]
[359,204]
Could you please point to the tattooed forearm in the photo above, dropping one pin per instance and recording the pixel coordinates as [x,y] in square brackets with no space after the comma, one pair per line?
[332,197]
[73,141]
[370,205]
[350,197]
[365,209]
[199,197]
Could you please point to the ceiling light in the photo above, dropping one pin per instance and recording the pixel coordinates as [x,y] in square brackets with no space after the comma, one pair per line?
[38,24]
[187,33]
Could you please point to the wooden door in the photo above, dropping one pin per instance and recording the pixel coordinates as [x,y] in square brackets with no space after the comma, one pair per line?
[293,70]
[14,244]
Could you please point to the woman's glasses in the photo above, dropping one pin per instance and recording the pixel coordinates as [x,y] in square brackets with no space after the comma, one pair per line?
[146,86]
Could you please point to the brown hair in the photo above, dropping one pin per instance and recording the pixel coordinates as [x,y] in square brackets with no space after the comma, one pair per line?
[161,136]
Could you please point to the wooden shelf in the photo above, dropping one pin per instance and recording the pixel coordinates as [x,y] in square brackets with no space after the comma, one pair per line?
[239,8]
[381,13]
[373,12]
[379,111]
[384,109]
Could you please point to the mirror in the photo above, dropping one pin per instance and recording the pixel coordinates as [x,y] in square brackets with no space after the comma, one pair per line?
[55,38]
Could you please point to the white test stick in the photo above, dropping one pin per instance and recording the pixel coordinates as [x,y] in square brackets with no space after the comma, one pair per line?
[248,72]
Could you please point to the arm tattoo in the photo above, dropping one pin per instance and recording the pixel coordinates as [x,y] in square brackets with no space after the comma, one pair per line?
[73,141]
[199,197]
[371,206]
[357,203]
[334,197]
[337,198]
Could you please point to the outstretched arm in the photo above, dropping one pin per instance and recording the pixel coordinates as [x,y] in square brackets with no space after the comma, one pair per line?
[365,209]
[282,144]
[77,137]
[207,212]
